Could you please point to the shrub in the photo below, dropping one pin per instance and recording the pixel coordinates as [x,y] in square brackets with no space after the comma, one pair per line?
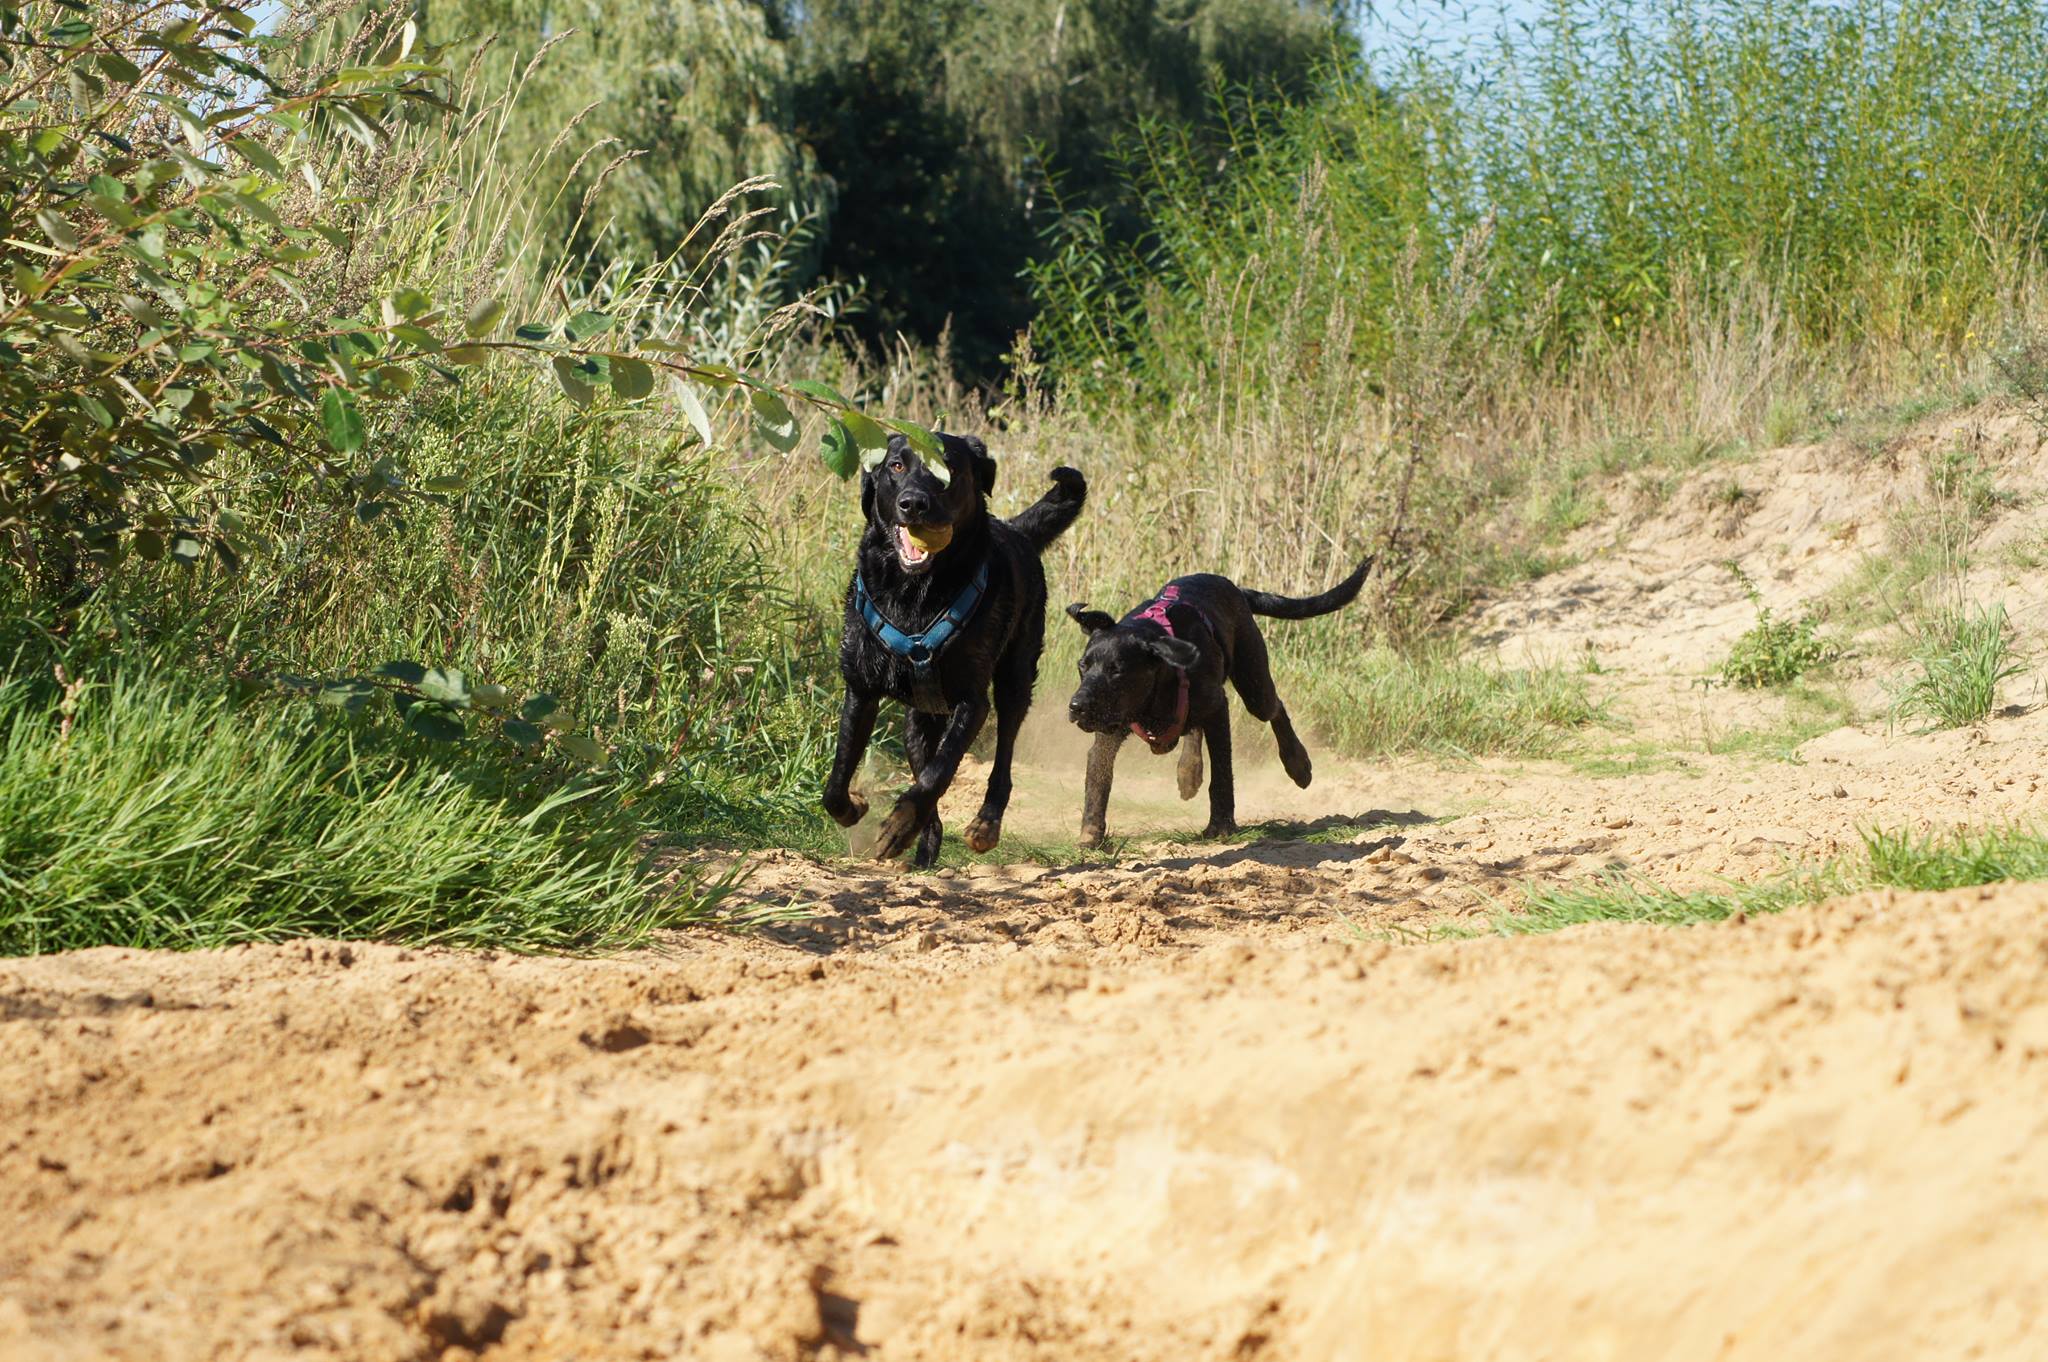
[1773,652]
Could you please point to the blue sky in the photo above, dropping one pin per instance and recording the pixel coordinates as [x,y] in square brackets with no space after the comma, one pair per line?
[1446,25]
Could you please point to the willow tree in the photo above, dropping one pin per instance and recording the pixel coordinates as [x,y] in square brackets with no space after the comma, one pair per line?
[659,106]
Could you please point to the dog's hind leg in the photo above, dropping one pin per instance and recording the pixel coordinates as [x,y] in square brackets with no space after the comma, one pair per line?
[1095,801]
[1013,701]
[1188,774]
[856,726]
[918,806]
[1251,672]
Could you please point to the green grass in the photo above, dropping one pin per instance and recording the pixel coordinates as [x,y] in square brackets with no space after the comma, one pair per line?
[1895,859]
[149,814]
[1964,656]
[1430,698]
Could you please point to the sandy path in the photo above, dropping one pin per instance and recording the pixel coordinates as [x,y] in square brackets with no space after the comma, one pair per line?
[1181,1101]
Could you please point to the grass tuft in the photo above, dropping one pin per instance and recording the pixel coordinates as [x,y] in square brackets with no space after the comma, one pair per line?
[1965,655]
[1430,698]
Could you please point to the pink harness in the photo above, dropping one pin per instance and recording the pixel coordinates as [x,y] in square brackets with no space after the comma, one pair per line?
[1155,611]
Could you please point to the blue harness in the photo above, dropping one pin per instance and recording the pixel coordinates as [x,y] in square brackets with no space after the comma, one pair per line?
[922,651]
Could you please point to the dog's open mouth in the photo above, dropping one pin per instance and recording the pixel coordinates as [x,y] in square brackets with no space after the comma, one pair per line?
[915,544]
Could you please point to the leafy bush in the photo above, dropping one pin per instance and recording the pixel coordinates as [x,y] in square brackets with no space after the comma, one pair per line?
[1964,656]
[1773,652]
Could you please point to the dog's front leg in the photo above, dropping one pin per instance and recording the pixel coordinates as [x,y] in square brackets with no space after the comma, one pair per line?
[918,803]
[1222,780]
[1095,799]
[1188,773]
[856,726]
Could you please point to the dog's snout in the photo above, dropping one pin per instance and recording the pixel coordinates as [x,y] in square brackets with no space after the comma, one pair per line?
[913,507]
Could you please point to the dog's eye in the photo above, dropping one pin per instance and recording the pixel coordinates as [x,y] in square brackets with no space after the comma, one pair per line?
[896,465]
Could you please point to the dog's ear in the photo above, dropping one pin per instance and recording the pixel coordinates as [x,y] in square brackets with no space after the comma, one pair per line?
[867,496]
[1177,652]
[1089,620]
[984,464]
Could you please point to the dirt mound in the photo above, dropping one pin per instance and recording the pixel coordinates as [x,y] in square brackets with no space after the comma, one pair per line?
[1176,1100]
[1818,1136]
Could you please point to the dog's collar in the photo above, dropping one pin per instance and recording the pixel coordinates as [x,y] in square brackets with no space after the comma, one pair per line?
[921,650]
[1154,611]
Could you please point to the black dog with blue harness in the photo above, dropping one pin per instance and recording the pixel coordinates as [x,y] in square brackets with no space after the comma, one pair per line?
[932,552]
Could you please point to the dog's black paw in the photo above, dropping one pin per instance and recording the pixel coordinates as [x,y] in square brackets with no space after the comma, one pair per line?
[1220,828]
[856,809]
[897,832]
[1069,479]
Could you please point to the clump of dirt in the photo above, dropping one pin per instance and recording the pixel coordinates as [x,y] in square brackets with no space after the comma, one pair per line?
[1178,1100]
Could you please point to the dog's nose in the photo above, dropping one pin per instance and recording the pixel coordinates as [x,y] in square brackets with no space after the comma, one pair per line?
[913,507]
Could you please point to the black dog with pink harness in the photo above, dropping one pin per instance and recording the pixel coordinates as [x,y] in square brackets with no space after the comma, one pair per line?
[1158,611]
[1159,672]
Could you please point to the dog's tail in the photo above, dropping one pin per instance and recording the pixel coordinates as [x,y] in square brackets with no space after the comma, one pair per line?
[1045,519]
[1305,607]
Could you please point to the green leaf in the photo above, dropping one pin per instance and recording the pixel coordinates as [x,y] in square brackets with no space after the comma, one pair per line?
[921,440]
[534,331]
[866,431]
[437,724]
[445,684]
[693,410]
[149,544]
[410,303]
[632,379]
[119,68]
[537,707]
[466,354]
[773,418]
[586,750]
[824,392]
[490,696]
[838,451]
[446,484]
[349,696]
[411,673]
[341,421]
[572,382]
[58,229]
[256,154]
[523,733]
[484,317]
[584,325]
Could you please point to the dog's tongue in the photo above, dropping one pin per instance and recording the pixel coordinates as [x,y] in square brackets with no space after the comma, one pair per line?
[911,552]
